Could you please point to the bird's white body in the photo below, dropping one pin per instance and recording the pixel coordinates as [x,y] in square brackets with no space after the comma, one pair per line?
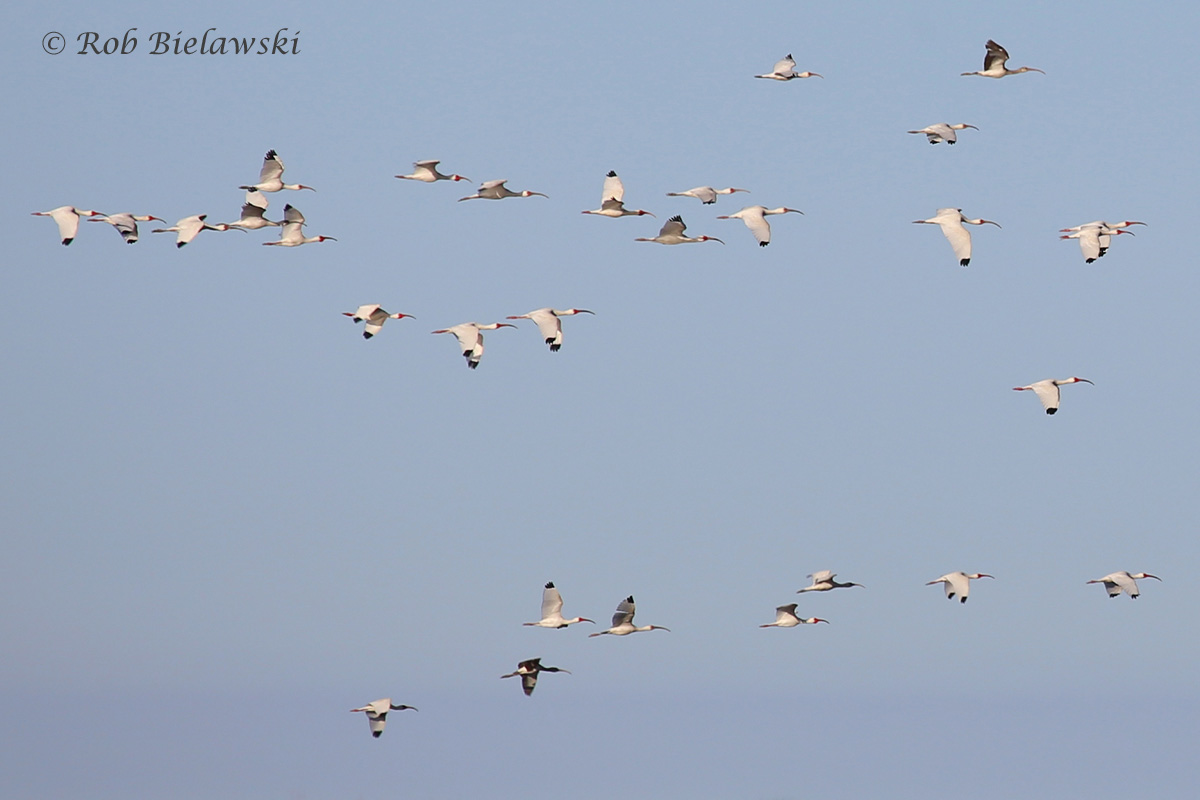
[943,132]
[755,218]
[1117,582]
[67,219]
[823,581]
[994,63]
[951,221]
[622,621]
[426,171]
[496,190]
[552,617]
[785,617]
[377,712]
[270,177]
[292,234]
[612,199]
[1047,391]
[528,671]
[126,224]
[705,194]
[374,316]
[548,323]
[785,70]
[672,233]
[189,228]
[958,583]
[471,340]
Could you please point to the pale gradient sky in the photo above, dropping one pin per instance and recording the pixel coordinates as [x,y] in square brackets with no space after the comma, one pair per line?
[228,519]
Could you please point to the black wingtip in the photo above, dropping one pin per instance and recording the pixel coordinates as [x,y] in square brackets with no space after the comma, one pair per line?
[1051,410]
[549,584]
[367,335]
[964,262]
[612,173]
[377,734]
[472,364]
[763,244]
[554,348]
[963,600]
[180,244]
[67,241]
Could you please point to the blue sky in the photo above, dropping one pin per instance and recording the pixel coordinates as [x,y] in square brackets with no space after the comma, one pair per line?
[228,519]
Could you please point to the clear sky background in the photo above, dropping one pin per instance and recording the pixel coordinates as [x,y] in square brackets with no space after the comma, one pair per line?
[228,519]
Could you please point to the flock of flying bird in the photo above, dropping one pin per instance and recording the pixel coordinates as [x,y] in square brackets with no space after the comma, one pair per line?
[956,584]
[1094,240]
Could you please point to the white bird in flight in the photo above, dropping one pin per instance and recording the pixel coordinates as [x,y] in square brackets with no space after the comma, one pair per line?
[374,317]
[426,171]
[959,583]
[622,621]
[943,132]
[528,670]
[549,325]
[471,340]
[1117,582]
[994,61]
[785,617]
[785,70]
[253,210]
[496,190]
[552,617]
[377,713]
[823,581]
[126,224]
[292,234]
[1047,391]
[188,228]
[270,177]
[755,218]
[705,194]
[951,221]
[672,233]
[612,200]
[1096,236]
[67,218]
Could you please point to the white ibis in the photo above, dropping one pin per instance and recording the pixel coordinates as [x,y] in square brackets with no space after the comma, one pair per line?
[270,177]
[549,325]
[943,132]
[951,221]
[785,617]
[188,228]
[1096,236]
[496,190]
[755,218]
[994,61]
[253,210]
[785,70]
[1117,582]
[126,224]
[528,670]
[67,218]
[959,583]
[672,233]
[622,621]
[426,171]
[471,340]
[705,194]
[374,317]
[292,234]
[1047,391]
[612,200]
[377,713]
[552,617]
[823,581]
